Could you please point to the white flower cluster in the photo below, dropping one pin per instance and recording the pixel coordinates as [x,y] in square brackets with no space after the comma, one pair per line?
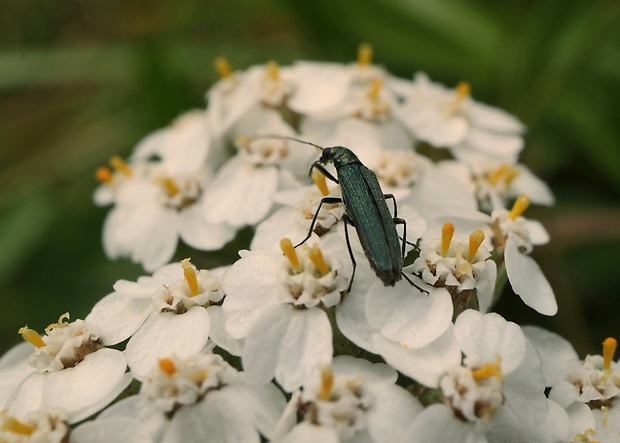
[268,348]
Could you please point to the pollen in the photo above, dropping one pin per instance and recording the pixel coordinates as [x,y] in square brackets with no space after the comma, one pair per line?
[609,349]
[166,365]
[327,382]
[319,180]
[316,256]
[475,240]
[60,324]
[489,370]
[31,336]
[364,54]
[273,71]
[190,276]
[463,89]
[222,66]
[103,174]
[447,232]
[118,164]
[15,426]
[291,254]
[521,204]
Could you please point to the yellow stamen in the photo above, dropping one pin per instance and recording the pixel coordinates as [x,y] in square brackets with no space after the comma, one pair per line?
[446,238]
[31,336]
[375,88]
[364,54]
[273,71]
[316,256]
[609,349]
[475,240]
[170,186]
[15,426]
[521,204]
[489,370]
[60,324]
[327,382]
[504,172]
[166,365]
[463,89]
[103,174]
[319,180]
[120,165]
[190,276]
[291,255]
[222,66]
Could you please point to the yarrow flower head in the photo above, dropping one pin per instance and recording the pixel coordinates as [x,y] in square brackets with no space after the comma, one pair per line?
[36,427]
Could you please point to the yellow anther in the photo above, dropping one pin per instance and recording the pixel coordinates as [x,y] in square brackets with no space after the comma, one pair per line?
[463,89]
[31,336]
[15,426]
[504,173]
[319,180]
[609,349]
[316,256]
[489,370]
[190,276]
[170,186]
[166,365]
[521,204]
[273,71]
[447,232]
[327,382]
[222,66]
[120,165]
[364,54]
[103,174]
[291,255]
[60,324]
[375,88]
[475,240]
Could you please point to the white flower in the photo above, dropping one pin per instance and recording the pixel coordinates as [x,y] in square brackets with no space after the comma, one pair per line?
[278,305]
[42,426]
[450,118]
[68,359]
[14,367]
[353,400]
[464,269]
[158,196]
[516,236]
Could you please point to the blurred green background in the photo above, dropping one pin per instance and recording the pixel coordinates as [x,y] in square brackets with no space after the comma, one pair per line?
[81,80]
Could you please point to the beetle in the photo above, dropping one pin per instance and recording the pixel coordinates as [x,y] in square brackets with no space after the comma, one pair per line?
[366,210]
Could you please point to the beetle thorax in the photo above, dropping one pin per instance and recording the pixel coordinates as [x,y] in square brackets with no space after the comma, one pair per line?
[339,156]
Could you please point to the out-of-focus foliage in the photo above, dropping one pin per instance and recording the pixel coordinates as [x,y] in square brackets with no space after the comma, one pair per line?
[81,80]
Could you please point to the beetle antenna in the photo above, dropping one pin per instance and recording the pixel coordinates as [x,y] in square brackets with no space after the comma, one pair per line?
[250,138]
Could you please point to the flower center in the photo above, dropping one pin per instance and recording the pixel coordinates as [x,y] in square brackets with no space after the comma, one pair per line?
[364,55]
[521,204]
[222,66]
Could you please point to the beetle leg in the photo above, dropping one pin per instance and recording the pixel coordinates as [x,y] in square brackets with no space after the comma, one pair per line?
[391,196]
[347,221]
[324,171]
[328,200]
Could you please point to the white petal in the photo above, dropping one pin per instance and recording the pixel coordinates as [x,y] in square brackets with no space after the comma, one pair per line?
[485,286]
[351,367]
[408,316]
[425,365]
[484,337]
[118,316]
[14,368]
[266,404]
[557,354]
[308,433]
[581,418]
[249,286]
[199,234]
[492,118]
[220,336]
[288,343]
[320,87]
[165,334]
[437,423]
[497,146]
[240,194]
[535,188]
[528,281]
[538,233]
[564,393]
[352,322]
[392,411]
[118,429]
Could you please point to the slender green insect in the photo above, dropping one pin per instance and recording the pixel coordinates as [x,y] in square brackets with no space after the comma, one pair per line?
[366,210]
